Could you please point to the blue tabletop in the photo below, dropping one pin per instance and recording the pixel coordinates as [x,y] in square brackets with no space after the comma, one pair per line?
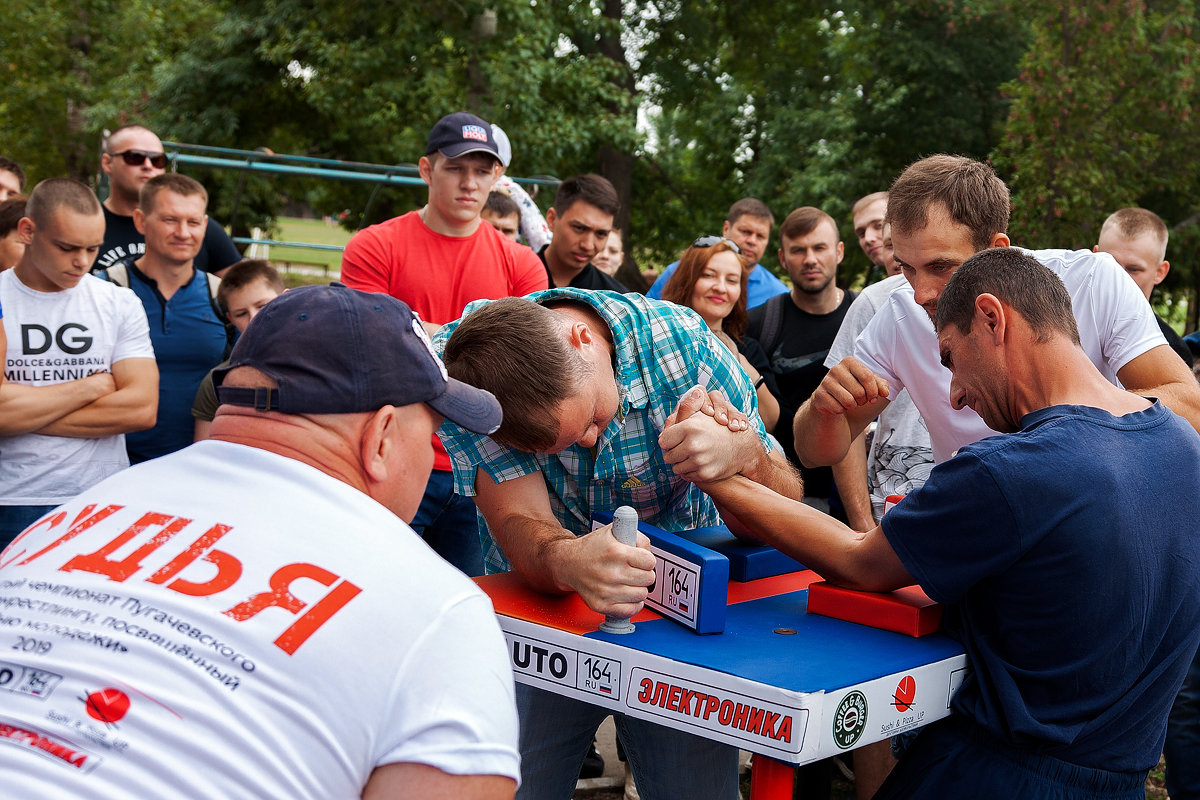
[824,654]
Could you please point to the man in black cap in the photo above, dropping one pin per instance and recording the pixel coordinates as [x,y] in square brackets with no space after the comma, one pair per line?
[256,602]
[437,260]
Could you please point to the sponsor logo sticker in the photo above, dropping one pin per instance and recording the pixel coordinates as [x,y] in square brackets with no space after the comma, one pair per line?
[474,132]
[49,746]
[850,720]
[905,694]
[107,705]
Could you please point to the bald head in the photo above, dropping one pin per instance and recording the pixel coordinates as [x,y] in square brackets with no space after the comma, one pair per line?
[132,136]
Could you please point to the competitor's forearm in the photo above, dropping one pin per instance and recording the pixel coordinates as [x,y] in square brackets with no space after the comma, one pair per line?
[849,558]
[537,550]
[821,439]
[850,477]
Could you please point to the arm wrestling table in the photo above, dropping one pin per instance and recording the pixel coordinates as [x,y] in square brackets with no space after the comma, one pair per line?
[791,686]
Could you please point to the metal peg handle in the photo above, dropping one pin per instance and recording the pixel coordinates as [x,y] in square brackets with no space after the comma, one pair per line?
[625,529]
[625,526]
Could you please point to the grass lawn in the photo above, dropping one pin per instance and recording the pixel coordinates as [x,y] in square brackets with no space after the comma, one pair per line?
[304,265]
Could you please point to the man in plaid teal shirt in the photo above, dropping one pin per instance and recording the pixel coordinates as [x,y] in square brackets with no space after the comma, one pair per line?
[601,409]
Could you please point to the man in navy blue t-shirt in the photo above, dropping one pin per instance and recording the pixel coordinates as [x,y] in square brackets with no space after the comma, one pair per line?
[1064,552]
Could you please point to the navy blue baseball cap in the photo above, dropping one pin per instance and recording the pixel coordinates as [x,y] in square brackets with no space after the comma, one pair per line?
[336,350]
[457,134]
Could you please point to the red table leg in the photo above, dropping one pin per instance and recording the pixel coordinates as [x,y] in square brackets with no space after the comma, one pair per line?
[771,779]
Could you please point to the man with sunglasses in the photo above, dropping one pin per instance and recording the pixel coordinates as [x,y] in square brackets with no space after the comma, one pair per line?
[133,155]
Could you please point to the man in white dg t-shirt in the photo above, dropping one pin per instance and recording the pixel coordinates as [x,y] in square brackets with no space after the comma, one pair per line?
[79,366]
[943,209]
[251,616]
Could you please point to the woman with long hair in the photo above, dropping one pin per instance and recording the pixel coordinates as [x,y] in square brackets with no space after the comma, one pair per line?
[711,280]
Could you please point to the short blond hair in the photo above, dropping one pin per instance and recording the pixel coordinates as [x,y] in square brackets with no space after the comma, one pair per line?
[1130,223]
[867,200]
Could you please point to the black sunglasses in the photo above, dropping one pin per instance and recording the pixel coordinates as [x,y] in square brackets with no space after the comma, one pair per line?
[135,158]
[709,241]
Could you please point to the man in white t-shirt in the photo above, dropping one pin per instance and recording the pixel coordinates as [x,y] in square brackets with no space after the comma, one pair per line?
[79,365]
[898,458]
[251,616]
[943,209]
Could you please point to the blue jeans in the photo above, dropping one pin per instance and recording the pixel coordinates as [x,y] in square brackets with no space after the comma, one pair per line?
[667,764]
[14,519]
[1183,738]
[447,523]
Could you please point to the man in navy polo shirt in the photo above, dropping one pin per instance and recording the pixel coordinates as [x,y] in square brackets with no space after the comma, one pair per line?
[186,329]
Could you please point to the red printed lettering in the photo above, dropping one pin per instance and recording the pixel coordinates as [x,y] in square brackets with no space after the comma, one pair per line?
[290,640]
[746,717]
[785,729]
[83,520]
[35,740]
[281,596]
[740,715]
[229,569]
[101,563]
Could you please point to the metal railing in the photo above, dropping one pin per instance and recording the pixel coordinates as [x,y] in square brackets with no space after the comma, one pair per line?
[265,161]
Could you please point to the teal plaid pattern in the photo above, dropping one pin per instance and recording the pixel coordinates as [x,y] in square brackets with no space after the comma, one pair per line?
[662,350]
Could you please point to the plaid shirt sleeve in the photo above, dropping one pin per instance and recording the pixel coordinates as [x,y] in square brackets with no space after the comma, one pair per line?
[731,379]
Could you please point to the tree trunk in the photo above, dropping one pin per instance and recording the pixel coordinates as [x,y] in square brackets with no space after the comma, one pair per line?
[611,162]
[77,154]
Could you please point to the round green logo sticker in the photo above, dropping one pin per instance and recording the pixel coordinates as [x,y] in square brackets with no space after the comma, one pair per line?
[850,720]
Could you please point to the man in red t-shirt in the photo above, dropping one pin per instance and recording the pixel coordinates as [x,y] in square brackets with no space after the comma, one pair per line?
[437,259]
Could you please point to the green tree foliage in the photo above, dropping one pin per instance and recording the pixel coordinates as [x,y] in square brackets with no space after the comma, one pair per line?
[926,78]
[687,105]
[1102,119]
[792,101]
[73,67]
[365,81]
[804,103]
[1101,115]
